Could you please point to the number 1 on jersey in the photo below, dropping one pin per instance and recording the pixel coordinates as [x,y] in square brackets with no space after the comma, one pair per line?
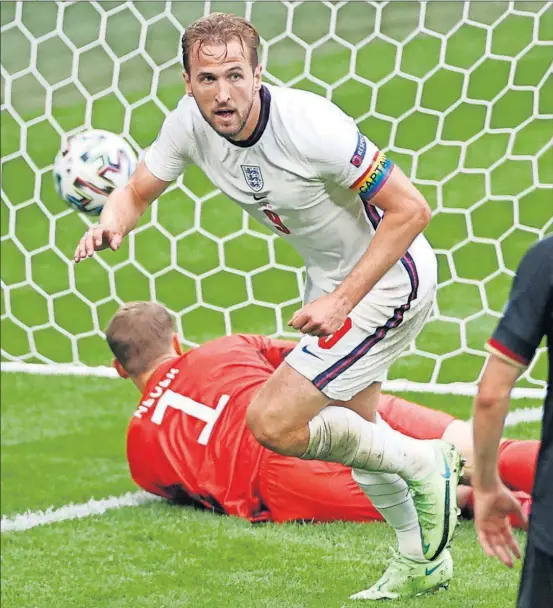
[197,410]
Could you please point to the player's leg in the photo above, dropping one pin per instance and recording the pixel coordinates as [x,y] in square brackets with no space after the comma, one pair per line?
[536,584]
[412,419]
[384,488]
[431,494]
[517,458]
[388,492]
[338,434]
[280,411]
[315,491]
[311,490]
[517,463]
[291,417]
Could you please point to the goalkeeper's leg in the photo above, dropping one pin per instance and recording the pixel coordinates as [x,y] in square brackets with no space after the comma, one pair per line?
[516,458]
[312,491]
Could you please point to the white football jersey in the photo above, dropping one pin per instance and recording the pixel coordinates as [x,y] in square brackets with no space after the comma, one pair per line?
[308,174]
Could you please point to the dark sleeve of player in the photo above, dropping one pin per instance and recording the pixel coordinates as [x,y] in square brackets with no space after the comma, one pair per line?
[529,308]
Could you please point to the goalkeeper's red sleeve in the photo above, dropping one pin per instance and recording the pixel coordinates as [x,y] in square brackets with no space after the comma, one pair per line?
[517,463]
[411,419]
[275,351]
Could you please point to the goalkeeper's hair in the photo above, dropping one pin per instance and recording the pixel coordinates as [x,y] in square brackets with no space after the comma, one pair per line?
[139,334]
[220,28]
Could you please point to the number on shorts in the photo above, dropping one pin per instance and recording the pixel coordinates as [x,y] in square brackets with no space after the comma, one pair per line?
[197,410]
[275,219]
[329,341]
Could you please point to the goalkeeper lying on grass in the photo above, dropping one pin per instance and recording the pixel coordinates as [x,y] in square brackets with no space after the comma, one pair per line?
[188,440]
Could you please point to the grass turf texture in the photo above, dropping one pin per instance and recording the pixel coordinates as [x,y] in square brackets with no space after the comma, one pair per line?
[63,440]
[154,555]
[225,285]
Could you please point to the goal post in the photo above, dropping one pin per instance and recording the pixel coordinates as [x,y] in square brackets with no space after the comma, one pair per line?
[459,94]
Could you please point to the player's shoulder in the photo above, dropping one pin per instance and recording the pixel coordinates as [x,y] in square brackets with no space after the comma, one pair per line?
[225,348]
[314,125]
[539,258]
[299,101]
[543,248]
[304,109]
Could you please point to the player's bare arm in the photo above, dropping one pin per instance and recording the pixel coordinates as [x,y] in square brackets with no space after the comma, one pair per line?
[490,408]
[494,502]
[513,345]
[121,213]
[406,215]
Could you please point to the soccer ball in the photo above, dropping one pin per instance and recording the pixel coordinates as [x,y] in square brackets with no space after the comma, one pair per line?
[89,166]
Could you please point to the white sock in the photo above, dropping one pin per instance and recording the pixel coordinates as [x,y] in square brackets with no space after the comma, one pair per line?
[338,434]
[391,497]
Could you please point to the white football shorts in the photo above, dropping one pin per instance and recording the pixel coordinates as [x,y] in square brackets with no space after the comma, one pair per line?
[351,359]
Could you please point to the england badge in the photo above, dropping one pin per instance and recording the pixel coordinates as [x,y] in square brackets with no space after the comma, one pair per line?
[253,177]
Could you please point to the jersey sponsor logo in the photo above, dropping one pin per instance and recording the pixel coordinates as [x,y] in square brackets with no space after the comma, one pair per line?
[253,177]
[357,159]
[370,183]
[259,197]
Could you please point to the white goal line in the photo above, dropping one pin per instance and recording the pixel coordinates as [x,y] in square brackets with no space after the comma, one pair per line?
[32,519]
[394,386]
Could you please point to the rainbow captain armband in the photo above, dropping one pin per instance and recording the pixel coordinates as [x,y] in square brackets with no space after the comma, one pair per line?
[374,177]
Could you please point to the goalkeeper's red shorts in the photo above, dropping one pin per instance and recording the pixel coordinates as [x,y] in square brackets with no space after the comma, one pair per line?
[295,489]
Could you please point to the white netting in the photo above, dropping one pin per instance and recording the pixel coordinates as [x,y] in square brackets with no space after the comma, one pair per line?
[460,94]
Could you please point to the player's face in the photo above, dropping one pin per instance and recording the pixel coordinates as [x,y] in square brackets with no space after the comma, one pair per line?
[225,87]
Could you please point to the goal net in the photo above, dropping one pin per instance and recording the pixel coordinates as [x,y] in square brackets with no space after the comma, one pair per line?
[459,94]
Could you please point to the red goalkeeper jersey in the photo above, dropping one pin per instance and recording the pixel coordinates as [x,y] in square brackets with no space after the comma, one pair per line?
[192,415]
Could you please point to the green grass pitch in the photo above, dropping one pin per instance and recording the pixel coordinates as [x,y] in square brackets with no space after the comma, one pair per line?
[63,438]
[63,441]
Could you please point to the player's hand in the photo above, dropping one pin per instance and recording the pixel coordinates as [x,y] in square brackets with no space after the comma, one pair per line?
[96,238]
[322,317]
[491,517]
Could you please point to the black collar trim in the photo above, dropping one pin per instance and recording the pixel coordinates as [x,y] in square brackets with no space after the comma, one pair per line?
[261,123]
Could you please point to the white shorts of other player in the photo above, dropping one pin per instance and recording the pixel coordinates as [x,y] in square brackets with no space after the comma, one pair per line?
[354,357]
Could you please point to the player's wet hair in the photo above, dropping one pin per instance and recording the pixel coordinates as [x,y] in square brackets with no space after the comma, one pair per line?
[139,334]
[220,28]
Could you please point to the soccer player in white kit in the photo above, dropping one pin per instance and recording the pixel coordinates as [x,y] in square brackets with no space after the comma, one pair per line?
[299,165]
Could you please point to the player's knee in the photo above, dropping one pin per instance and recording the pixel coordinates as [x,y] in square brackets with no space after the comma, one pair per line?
[265,427]
[259,424]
